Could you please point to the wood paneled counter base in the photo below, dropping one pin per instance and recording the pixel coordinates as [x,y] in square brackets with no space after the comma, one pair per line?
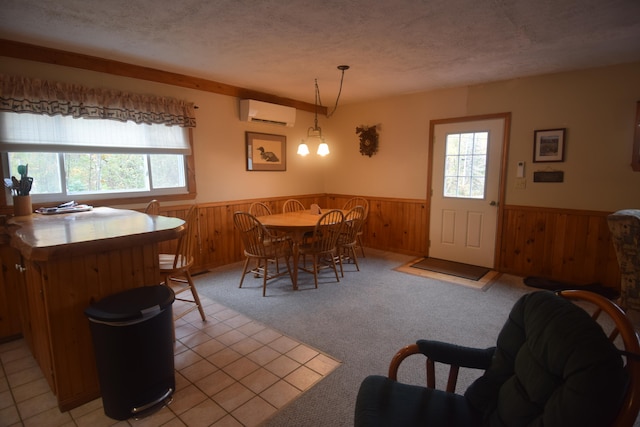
[69,261]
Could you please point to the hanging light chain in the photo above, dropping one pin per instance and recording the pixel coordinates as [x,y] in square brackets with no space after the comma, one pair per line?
[323,148]
[317,102]
[342,68]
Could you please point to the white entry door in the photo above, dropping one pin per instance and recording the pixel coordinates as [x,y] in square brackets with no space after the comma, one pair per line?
[465,188]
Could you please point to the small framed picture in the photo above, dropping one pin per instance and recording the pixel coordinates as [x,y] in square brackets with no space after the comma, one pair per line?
[548,145]
[266,152]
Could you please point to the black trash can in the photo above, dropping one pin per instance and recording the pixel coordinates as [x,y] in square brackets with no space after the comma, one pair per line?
[132,335]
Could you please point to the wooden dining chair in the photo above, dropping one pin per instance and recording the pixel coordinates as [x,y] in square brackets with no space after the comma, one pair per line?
[323,244]
[348,239]
[152,208]
[358,201]
[259,209]
[292,205]
[174,268]
[261,246]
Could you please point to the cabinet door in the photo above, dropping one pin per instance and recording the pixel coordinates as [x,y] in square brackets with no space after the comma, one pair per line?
[39,320]
[11,280]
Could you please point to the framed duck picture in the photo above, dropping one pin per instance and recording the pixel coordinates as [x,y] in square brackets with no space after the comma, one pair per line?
[266,152]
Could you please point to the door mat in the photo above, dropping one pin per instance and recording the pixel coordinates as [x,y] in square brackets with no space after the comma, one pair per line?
[552,285]
[466,271]
[482,285]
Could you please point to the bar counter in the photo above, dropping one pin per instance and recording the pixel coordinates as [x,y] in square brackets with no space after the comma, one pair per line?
[70,261]
[44,237]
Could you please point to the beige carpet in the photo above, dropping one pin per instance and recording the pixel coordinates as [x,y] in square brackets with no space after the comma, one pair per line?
[482,284]
[363,320]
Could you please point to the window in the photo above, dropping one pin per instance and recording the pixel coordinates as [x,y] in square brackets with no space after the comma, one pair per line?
[84,143]
[84,158]
[465,165]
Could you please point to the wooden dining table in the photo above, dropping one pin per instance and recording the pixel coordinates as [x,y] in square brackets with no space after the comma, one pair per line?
[296,224]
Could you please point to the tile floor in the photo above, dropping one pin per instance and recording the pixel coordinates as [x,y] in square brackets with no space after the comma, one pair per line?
[230,371]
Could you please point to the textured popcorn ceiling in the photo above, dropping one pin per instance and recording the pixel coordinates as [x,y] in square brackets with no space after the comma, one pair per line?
[393,46]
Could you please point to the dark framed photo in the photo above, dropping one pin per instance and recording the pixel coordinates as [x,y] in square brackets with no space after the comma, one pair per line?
[266,152]
[548,145]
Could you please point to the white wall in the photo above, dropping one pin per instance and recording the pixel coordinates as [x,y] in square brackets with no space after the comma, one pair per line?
[399,169]
[219,137]
[596,106]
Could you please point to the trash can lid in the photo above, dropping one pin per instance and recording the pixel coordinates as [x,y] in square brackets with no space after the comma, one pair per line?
[131,304]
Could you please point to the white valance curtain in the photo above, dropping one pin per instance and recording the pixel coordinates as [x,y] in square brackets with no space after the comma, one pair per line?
[36,96]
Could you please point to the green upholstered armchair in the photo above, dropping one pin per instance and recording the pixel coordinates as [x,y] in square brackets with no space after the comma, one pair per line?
[553,365]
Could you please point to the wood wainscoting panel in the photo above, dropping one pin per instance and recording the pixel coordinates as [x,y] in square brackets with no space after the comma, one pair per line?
[397,225]
[571,246]
[566,245]
[218,241]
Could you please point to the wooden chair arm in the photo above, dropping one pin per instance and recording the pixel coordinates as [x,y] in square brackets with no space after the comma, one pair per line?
[402,354]
[453,355]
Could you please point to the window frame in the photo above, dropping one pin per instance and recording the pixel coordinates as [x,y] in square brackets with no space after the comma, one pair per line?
[120,198]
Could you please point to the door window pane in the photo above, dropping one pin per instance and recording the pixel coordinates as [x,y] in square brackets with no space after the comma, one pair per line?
[465,165]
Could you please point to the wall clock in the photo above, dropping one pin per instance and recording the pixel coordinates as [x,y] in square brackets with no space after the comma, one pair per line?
[368,140]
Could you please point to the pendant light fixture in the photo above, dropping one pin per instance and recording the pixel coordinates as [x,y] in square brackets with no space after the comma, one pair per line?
[314,133]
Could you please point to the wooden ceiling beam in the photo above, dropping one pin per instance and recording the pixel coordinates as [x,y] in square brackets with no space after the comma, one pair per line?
[47,55]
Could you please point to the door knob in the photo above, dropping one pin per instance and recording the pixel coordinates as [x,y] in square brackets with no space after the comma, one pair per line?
[493,203]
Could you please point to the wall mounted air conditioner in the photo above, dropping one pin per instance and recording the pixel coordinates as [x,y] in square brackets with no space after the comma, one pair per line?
[264,112]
